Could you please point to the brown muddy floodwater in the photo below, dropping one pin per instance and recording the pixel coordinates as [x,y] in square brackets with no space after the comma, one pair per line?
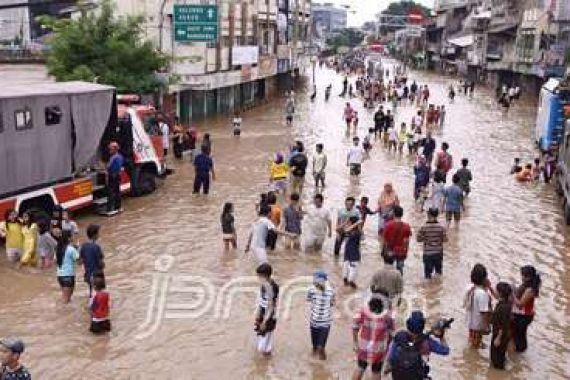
[174,319]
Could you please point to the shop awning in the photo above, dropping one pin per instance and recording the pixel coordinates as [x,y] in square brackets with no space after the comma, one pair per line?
[501,28]
[462,41]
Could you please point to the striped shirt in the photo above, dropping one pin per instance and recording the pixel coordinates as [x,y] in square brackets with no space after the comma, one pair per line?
[433,235]
[322,302]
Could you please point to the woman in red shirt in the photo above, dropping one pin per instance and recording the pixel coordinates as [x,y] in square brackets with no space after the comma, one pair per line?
[523,305]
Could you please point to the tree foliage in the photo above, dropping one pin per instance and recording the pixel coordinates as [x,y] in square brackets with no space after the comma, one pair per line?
[100,47]
[401,8]
[347,37]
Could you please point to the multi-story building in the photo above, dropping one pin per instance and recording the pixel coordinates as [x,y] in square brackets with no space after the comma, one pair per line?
[258,43]
[328,19]
[14,23]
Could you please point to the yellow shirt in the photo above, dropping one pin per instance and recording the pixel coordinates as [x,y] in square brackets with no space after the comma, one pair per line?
[403,136]
[279,171]
[13,233]
[30,234]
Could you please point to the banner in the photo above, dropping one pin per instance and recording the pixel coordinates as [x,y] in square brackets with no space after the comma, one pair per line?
[245,55]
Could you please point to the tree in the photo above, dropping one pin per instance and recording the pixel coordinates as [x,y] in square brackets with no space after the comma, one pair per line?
[347,37]
[106,49]
[401,8]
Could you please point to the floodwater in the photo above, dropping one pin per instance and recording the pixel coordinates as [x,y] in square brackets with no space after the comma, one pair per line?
[166,270]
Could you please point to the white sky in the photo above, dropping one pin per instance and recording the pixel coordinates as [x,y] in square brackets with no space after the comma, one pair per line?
[364,10]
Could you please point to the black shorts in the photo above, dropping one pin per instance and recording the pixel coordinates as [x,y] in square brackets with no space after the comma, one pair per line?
[99,327]
[66,281]
[376,367]
[289,118]
[453,214]
[355,169]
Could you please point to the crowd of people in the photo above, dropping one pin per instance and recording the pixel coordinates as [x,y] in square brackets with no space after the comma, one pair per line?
[377,344]
[284,222]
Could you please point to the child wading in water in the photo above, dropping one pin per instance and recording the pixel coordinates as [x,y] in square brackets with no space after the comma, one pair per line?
[265,321]
[228,228]
[99,306]
[11,230]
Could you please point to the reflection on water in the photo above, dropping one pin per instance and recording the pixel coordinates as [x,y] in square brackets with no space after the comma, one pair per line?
[506,225]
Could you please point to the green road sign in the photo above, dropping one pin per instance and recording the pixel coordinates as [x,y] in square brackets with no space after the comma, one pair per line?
[195,23]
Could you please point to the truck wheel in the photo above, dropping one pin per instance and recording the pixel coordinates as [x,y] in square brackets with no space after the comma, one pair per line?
[146,183]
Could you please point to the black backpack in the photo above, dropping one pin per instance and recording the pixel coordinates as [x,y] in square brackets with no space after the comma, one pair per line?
[407,363]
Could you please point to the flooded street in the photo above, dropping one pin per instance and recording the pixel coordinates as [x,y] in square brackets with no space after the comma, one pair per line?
[179,322]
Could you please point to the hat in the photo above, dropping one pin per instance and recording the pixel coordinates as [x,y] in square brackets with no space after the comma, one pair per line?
[416,323]
[13,344]
[320,276]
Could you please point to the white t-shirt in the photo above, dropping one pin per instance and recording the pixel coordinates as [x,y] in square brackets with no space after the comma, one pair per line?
[237,122]
[319,162]
[165,132]
[317,220]
[512,91]
[393,134]
[477,301]
[259,232]
[355,155]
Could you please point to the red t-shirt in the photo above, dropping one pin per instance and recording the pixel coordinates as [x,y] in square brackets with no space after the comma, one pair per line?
[395,234]
[100,305]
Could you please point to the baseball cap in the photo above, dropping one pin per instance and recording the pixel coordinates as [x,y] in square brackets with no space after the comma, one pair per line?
[320,276]
[13,344]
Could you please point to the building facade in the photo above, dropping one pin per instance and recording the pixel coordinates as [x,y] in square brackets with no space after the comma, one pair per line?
[502,41]
[14,24]
[328,19]
[259,43]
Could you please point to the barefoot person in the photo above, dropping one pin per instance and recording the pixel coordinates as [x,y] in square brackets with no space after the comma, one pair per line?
[257,239]
[317,225]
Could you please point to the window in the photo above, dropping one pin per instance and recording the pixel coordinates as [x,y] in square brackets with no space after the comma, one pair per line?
[53,115]
[23,119]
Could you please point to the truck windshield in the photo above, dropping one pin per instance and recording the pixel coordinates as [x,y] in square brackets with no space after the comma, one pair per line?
[150,124]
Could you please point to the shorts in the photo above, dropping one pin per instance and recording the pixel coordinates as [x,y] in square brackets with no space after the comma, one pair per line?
[66,281]
[280,184]
[320,176]
[355,169]
[99,327]
[237,131]
[13,254]
[289,118]
[456,215]
[228,236]
[375,367]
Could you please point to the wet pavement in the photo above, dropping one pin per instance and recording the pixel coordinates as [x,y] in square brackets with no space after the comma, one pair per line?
[170,244]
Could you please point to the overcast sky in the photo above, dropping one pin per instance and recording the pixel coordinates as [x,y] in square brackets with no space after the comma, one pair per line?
[364,10]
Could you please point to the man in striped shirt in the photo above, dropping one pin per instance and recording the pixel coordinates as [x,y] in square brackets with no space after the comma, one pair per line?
[433,235]
[321,298]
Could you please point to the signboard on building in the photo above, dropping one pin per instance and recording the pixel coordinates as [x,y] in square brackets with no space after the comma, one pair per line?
[245,55]
[267,67]
[195,23]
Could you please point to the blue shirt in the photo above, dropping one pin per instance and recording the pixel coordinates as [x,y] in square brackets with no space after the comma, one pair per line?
[453,198]
[92,257]
[203,163]
[429,147]
[115,163]
[352,246]
[67,268]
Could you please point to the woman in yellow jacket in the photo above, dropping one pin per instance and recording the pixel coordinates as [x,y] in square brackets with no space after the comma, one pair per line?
[30,233]
[279,171]
[11,230]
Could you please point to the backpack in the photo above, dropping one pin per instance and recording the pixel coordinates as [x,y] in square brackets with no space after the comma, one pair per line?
[407,362]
